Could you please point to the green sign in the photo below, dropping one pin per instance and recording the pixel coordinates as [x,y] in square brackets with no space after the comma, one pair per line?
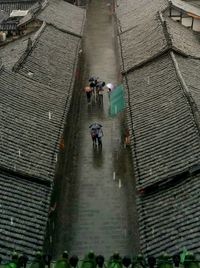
[117,102]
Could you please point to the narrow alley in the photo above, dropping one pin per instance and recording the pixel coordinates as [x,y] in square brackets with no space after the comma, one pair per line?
[101,210]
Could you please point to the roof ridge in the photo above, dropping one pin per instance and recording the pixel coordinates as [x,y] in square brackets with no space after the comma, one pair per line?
[1,65]
[169,46]
[169,181]
[144,62]
[63,30]
[192,103]
[27,177]
[168,36]
[165,29]
[30,45]
[50,3]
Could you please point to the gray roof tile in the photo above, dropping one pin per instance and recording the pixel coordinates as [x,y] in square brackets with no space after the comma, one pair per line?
[11,52]
[142,42]
[52,60]
[190,69]
[3,15]
[184,39]
[33,110]
[8,6]
[169,219]
[24,208]
[133,12]
[29,139]
[145,37]
[25,111]
[166,139]
[64,16]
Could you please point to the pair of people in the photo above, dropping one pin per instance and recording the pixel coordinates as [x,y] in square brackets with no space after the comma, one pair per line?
[96,133]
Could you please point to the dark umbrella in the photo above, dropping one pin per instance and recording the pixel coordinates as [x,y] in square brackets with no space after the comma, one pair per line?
[93,78]
[95,126]
[101,84]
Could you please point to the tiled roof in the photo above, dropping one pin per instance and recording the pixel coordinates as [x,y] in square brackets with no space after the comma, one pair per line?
[32,121]
[18,1]
[169,219]
[23,215]
[52,60]
[143,41]
[150,36]
[163,99]
[8,26]
[166,138]
[194,3]
[8,6]
[131,13]
[183,39]
[29,134]
[11,52]
[186,7]
[34,104]
[3,15]
[190,69]
[64,16]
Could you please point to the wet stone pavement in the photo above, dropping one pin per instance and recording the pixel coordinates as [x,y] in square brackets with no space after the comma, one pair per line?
[100,213]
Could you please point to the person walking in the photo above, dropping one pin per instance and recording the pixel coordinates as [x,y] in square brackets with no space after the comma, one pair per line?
[100,89]
[94,136]
[88,92]
[96,133]
[99,136]
[93,84]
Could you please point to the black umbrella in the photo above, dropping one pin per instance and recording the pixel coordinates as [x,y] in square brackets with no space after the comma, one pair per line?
[95,126]
[101,84]
[93,78]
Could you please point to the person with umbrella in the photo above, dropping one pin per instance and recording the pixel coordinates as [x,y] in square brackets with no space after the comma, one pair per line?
[93,81]
[96,133]
[93,84]
[110,87]
[99,136]
[100,90]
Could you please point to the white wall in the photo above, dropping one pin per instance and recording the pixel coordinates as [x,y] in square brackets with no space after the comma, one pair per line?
[196,25]
[187,22]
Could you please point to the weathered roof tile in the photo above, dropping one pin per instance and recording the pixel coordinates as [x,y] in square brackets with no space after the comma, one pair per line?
[166,138]
[183,39]
[64,16]
[131,13]
[11,52]
[169,219]
[8,5]
[24,208]
[52,60]
[190,69]
[142,42]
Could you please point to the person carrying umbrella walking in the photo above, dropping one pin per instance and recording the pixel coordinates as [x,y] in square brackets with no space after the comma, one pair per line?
[93,81]
[96,133]
[100,86]
[110,87]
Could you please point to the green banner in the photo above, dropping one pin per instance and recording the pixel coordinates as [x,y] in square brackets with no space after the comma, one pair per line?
[117,102]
